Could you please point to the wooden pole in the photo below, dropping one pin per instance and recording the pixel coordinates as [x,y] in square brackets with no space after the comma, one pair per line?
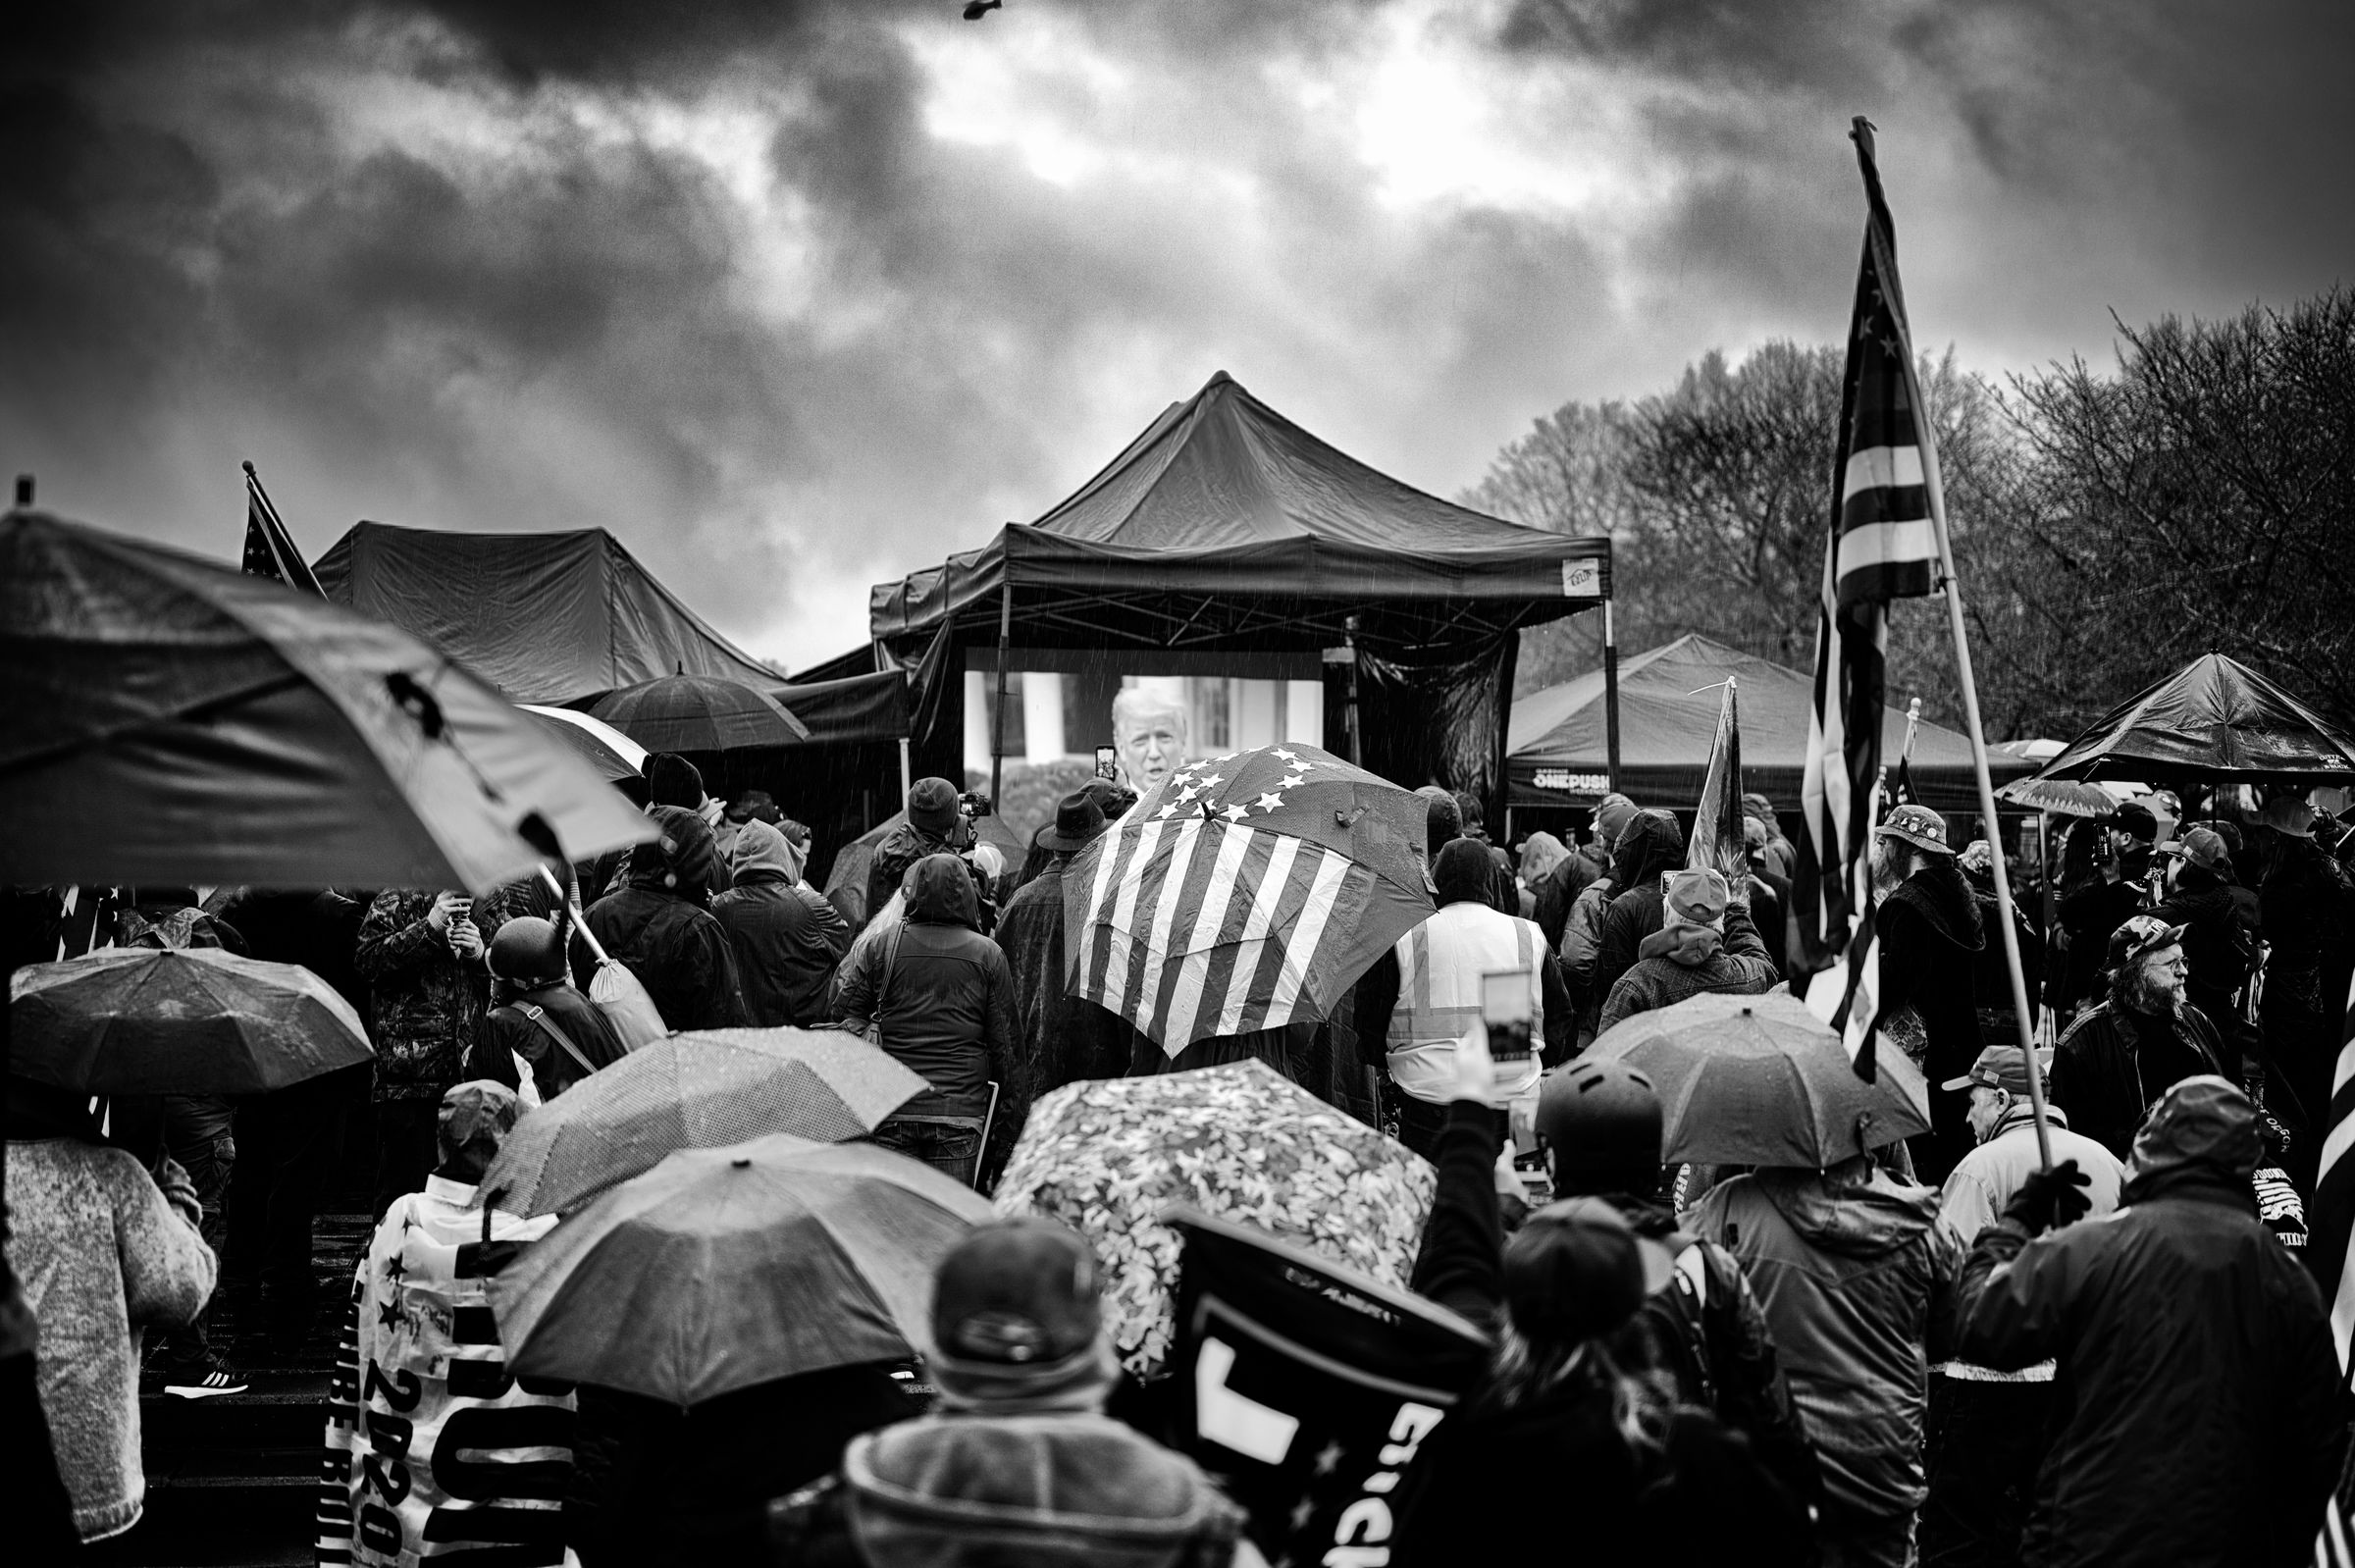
[1979,756]
[1610,696]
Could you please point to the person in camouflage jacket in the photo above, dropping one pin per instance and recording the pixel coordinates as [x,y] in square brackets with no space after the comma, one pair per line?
[429,1003]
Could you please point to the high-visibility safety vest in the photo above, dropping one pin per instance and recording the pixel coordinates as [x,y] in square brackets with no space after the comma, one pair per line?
[1440,963]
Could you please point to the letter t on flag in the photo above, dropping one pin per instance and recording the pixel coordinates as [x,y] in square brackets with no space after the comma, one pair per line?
[1881,545]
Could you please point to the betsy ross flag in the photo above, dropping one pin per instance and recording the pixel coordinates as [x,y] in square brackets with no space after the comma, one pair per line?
[269,549]
[1245,892]
[1882,546]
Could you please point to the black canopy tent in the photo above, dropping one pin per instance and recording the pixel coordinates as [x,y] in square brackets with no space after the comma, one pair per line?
[1669,697]
[2214,721]
[1226,539]
[558,618]
[561,619]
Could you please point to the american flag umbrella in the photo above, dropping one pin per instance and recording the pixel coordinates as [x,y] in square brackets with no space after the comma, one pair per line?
[1245,892]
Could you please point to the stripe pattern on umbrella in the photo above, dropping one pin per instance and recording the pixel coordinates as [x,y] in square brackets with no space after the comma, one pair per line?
[1247,891]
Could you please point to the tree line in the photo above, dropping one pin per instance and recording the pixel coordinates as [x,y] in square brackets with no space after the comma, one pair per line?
[2109,524]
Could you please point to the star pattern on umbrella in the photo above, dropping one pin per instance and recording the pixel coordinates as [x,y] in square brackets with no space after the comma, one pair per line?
[1196,781]
[1328,1458]
[1302,1512]
[388,1315]
[395,1268]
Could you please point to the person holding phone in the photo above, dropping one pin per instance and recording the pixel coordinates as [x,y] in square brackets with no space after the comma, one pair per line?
[421,953]
[1467,959]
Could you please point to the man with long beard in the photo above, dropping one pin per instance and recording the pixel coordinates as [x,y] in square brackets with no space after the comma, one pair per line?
[2121,1057]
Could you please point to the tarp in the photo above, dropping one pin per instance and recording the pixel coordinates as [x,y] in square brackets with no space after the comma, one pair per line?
[853,709]
[557,618]
[1227,530]
[1668,702]
[2214,721]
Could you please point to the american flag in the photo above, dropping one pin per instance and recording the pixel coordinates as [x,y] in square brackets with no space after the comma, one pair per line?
[269,549]
[2334,1244]
[1246,891]
[1882,544]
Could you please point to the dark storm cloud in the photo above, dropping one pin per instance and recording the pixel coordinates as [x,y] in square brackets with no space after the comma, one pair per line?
[722,278]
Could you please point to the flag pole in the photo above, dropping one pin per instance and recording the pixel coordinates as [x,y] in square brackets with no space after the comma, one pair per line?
[1978,759]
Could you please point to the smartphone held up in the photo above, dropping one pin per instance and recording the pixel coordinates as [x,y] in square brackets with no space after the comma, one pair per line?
[1508,1007]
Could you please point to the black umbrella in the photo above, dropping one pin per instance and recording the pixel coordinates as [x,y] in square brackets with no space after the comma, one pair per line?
[2214,721]
[176,1021]
[699,713]
[167,719]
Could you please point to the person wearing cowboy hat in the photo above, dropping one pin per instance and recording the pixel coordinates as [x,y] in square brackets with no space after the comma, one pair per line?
[2146,1037]
[1930,939]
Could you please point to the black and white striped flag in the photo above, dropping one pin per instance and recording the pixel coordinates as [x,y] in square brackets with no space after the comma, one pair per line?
[1882,544]
[2334,1246]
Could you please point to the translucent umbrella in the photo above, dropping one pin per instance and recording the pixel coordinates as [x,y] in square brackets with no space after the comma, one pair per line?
[613,754]
[176,1021]
[1761,1080]
[724,1268]
[694,1091]
[167,719]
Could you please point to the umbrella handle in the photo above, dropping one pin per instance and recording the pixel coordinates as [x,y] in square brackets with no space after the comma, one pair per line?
[595,948]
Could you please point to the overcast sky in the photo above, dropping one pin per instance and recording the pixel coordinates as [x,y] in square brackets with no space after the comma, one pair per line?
[797,298]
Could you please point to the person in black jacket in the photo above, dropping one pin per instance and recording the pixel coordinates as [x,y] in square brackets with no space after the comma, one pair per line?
[1930,940]
[2309,912]
[2096,905]
[2217,942]
[1570,1441]
[1648,846]
[942,998]
[787,938]
[1991,975]
[659,926]
[2117,1060]
[2202,1412]
[537,1015]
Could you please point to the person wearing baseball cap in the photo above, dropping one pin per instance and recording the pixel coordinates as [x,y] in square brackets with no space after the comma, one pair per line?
[2144,1038]
[1986,1427]
[2218,943]
[1018,1463]
[2308,915]
[1062,1038]
[1572,1415]
[1690,953]
[2202,1422]
[2094,908]
[1931,940]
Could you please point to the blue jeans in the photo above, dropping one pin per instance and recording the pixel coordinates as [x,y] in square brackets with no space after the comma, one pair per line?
[951,1145]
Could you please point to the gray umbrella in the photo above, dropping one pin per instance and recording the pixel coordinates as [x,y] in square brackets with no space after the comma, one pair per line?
[1761,1080]
[694,1091]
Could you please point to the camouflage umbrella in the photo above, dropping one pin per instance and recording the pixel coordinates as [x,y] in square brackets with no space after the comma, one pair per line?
[1239,1143]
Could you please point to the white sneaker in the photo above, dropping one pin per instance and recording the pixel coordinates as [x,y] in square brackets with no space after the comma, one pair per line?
[215,1379]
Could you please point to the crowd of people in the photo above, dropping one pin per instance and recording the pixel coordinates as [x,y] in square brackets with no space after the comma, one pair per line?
[1947,1350]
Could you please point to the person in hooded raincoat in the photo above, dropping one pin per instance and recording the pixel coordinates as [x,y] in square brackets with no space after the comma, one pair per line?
[2202,1414]
[1691,952]
[1855,1269]
[787,938]
[1063,1037]
[1649,847]
[656,923]
[940,998]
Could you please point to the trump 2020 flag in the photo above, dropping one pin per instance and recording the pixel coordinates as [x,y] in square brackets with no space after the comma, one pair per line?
[1882,544]
[1307,1391]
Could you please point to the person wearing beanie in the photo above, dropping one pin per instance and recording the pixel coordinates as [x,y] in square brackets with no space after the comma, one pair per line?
[1855,1269]
[1576,1433]
[1417,998]
[539,1023]
[787,937]
[1018,1462]
[658,924]
[1690,953]
[2308,907]
[2103,902]
[2218,943]
[934,824]
[1777,854]
[1444,820]
[2203,1422]
[672,780]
